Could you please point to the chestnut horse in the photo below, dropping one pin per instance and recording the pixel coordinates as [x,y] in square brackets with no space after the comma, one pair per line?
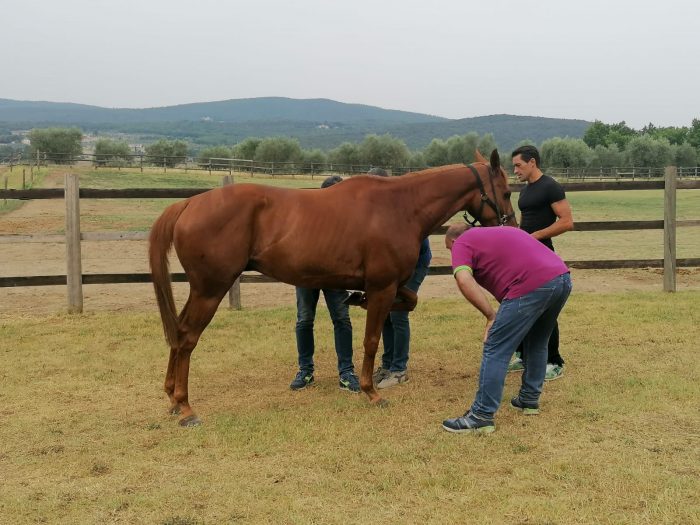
[361,234]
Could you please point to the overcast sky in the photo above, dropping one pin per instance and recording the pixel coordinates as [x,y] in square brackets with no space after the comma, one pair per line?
[612,60]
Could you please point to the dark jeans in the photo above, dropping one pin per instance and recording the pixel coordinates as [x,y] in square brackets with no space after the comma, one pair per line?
[553,355]
[307,299]
[396,333]
[529,319]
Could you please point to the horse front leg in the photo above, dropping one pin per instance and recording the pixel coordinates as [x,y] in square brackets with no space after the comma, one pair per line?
[378,306]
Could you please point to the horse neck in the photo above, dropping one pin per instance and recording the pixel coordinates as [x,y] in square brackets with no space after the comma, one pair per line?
[439,193]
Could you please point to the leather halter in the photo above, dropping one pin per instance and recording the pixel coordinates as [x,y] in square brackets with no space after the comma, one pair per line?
[485,199]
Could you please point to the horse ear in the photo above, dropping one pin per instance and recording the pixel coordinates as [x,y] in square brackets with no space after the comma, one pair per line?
[495,160]
[479,157]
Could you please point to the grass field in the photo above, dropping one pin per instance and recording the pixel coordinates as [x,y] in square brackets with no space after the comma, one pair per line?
[85,437]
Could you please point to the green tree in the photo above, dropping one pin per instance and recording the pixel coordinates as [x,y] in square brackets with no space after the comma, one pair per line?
[417,160]
[59,144]
[676,136]
[565,153]
[487,144]
[108,151]
[646,151]
[314,156]
[596,134]
[278,149]
[600,134]
[685,155]
[620,134]
[607,156]
[167,152]
[246,149]
[435,153]
[693,136]
[462,148]
[383,150]
[216,157]
[347,154]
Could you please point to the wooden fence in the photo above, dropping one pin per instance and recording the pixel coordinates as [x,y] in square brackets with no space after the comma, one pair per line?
[253,167]
[74,278]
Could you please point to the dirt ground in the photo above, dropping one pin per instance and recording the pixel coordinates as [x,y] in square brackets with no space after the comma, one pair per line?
[25,259]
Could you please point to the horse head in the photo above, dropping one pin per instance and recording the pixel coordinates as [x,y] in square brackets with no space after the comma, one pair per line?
[491,205]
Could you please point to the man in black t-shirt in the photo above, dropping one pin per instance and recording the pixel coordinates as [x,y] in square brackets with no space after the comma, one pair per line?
[545,213]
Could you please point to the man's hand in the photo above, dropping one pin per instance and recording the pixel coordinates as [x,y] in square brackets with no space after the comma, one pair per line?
[489,324]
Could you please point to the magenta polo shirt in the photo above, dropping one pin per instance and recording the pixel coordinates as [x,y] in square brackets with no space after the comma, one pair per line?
[507,261]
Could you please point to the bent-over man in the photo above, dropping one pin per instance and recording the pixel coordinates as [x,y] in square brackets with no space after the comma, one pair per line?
[532,285]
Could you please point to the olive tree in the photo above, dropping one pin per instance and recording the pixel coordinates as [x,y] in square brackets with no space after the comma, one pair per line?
[167,152]
[646,151]
[108,151]
[59,144]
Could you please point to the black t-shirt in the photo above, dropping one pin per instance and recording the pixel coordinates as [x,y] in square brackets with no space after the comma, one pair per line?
[535,203]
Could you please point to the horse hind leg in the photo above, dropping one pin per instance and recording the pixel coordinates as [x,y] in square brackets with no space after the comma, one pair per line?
[169,386]
[378,306]
[406,300]
[195,317]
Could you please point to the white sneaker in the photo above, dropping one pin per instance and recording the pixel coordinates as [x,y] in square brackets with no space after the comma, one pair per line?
[394,378]
[553,372]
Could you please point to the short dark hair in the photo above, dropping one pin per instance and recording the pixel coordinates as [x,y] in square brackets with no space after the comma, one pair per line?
[333,179]
[527,153]
[378,171]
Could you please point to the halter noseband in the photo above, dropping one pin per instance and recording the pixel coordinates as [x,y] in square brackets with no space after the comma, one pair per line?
[485,199]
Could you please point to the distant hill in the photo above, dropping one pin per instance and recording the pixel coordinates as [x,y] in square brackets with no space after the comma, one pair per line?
[317,123]
[236,110]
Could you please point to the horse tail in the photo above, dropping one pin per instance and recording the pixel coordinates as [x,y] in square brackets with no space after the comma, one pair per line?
[159,244]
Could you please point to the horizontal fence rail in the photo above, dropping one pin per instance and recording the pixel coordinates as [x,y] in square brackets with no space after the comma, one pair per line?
[136,278]
[670,185]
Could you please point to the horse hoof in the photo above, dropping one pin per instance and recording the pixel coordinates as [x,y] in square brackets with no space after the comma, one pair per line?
[190,421]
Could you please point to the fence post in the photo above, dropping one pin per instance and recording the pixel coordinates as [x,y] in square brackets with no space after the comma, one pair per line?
[670,229]
[234,294]
[74,274]
[5,183]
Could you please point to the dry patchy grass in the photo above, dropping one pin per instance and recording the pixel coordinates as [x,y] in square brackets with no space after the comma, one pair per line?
[85,437]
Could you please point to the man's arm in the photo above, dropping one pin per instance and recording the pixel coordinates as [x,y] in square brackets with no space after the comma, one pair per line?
[475,295]
[564,222]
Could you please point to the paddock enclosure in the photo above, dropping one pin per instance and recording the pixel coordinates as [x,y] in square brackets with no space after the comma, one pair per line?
[74,276]
[86,438]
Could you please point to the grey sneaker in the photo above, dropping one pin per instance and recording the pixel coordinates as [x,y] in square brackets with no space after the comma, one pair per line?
[303,379]
[348,381]
[393,379]
[528,409]
[469,423]
[380,374]
[553,372]
[516,365]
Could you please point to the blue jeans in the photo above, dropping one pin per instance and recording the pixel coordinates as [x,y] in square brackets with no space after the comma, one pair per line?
[396,332]
[529,319]
[307,299]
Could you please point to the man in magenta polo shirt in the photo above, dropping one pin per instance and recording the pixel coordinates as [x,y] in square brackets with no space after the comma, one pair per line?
[532,284]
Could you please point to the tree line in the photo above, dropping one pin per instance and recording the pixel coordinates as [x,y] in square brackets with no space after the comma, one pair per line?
[602,145]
